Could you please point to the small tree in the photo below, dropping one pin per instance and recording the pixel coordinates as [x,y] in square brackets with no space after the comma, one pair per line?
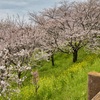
[43,32]
[35,81]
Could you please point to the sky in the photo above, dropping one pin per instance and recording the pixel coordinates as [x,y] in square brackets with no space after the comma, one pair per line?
[22,7]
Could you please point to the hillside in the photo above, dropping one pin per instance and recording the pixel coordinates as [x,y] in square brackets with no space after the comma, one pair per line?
[64,81]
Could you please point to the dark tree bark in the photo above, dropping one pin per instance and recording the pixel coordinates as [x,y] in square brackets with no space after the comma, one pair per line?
[52,60]
[75,55]
[19,75]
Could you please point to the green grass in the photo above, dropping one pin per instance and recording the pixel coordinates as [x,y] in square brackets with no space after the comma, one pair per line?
[64,81]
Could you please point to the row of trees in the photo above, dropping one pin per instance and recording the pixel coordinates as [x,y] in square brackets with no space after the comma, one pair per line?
[67,28]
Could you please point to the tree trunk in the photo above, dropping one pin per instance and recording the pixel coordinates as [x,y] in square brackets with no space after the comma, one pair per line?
[52,59]
[75,55]
[19,77]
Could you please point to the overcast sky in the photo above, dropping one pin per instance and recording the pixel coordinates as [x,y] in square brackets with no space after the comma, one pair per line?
[22,7]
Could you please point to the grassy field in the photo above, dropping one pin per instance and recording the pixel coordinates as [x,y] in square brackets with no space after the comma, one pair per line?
[64,81]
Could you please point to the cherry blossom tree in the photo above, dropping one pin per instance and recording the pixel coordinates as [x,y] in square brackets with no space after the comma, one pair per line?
[70,24]
[16,45]
[46,41]
[94,42]
[18,41]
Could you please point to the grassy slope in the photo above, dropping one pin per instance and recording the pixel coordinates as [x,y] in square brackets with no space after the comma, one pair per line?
[64,81]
